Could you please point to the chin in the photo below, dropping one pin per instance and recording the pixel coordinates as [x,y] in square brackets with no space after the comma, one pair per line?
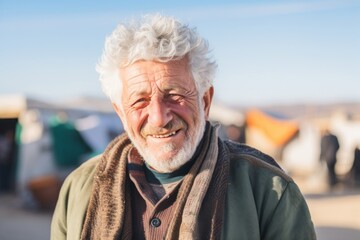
[168,158]
[168,163]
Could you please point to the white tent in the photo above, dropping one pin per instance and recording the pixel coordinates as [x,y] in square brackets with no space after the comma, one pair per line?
[93,118]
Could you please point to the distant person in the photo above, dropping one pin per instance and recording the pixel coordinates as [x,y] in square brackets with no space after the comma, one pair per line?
[329,147]
[354,173]
[6,141]
[170,176]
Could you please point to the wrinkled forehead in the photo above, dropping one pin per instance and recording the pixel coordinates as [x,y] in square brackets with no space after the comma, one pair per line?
[151,71]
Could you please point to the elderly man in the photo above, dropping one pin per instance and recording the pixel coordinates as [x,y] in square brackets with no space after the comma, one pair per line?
[170,176]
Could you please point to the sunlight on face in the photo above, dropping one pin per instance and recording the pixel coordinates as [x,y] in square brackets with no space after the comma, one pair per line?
[162,112]
[170,157]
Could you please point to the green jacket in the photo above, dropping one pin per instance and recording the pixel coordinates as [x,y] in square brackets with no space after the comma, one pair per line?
[262,202]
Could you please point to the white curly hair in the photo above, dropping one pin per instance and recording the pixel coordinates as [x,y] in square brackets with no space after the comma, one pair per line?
[154,38]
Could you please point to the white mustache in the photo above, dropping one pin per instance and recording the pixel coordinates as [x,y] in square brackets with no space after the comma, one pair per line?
[170,129]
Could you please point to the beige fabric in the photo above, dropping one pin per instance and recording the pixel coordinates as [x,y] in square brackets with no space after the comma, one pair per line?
[198,191]
[193,190]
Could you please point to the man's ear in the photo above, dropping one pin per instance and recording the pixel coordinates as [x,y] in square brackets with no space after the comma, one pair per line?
[207,98]
[118,110]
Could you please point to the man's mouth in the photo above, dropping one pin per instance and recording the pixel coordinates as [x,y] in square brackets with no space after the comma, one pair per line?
[163,135]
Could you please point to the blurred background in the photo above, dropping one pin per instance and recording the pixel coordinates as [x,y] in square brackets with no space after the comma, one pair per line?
[288,84]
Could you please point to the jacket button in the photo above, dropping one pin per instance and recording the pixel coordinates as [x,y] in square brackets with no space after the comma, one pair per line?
[155,222]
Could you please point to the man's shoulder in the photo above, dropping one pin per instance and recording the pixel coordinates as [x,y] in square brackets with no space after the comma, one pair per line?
[239,149]
[253,159]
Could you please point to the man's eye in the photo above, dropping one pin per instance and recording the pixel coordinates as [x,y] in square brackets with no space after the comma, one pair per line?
[174,97]
[140,102]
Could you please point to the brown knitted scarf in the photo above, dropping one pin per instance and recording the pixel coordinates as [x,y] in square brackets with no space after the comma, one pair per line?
[109,211]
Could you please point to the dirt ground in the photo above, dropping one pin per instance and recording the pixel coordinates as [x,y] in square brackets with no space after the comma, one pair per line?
[335,212]
[17,223]
[336,216]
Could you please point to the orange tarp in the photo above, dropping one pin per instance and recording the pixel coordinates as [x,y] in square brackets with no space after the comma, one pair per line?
[279,131]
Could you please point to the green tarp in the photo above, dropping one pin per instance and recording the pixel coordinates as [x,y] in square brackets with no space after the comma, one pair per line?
[68,145]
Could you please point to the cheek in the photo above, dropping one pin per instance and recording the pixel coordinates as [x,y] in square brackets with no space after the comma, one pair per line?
[135,120]
[189,111]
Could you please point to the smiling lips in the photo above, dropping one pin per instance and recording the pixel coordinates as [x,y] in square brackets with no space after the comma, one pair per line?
[163,135]
[171,129]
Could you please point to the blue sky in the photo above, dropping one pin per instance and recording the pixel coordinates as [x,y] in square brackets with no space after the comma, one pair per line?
[267,51]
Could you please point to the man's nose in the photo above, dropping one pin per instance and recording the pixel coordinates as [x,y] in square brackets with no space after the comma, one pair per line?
[159,113]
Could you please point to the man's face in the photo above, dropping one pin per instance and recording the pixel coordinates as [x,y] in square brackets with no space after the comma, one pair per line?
[162,111]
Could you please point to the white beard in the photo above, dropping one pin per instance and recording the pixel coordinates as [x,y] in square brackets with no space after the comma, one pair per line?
[183,155]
